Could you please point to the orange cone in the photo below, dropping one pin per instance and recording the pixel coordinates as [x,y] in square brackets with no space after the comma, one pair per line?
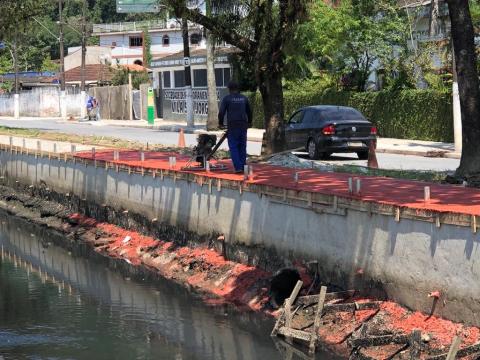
[372,156]
[181,139]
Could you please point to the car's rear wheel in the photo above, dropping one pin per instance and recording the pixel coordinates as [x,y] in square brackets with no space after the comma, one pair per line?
[313,152]
[362,155]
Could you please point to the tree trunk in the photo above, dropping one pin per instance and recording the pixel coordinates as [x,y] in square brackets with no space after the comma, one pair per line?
[465,57]
[212,120]
[272,97]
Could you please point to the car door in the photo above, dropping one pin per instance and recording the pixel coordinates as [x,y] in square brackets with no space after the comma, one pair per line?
[293,128]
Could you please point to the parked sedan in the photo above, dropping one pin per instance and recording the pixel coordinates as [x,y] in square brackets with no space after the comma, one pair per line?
[325,129]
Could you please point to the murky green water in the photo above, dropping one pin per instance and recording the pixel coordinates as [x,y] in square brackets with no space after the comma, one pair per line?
[55,305]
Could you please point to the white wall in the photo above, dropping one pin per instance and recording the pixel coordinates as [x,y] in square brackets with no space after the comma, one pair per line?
[41,102]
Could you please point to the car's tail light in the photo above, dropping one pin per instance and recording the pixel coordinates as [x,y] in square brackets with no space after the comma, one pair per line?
[328,130]
[373,130]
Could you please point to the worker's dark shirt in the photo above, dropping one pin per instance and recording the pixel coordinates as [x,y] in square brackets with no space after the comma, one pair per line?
[238,111]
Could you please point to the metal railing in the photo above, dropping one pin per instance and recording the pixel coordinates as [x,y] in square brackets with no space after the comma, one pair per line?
[134,26]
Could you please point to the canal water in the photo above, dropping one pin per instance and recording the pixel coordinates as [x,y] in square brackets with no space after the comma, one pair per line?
[57,304]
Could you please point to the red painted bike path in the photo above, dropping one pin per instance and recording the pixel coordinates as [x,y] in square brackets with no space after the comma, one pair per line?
[382,190]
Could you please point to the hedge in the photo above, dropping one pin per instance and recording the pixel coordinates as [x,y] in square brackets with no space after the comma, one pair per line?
[407,114]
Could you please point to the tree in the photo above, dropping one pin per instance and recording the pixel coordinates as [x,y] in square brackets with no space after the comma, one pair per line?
[468,84]
[212,120]
[260,29]
[120,77]
[351,38]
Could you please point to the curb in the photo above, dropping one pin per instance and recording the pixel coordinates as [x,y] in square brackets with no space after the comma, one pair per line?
[427,154]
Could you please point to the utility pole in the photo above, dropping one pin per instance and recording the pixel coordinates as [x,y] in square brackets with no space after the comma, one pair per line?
[188,73]
[83,65]
[63,103]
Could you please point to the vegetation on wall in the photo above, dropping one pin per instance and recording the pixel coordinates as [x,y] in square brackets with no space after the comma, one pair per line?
[138,78]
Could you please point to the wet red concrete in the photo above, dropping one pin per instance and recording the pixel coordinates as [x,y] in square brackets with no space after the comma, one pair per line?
[402,193]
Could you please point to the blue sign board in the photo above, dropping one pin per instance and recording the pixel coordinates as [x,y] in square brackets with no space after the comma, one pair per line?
[2,46]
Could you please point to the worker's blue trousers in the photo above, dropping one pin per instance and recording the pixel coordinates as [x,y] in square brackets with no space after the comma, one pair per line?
[237,142]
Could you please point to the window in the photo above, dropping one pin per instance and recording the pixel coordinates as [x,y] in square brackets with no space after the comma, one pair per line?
[337,113]
[309,117]
[179,78]
[296,118]
[166,40]
[166,80]
[222,77]
[195,39]
[200,78]
[114,43]
[136,41]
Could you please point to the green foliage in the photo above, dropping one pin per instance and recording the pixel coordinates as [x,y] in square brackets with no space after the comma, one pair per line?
[138,78]
[350,38]
[406,114]
[49,65]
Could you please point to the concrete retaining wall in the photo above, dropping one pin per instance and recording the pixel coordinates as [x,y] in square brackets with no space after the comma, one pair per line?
[407,259]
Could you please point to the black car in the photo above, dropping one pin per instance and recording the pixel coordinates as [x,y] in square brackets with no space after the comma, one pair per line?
[325,129]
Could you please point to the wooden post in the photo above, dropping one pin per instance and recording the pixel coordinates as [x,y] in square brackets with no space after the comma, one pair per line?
[288,303]
[130,96]
[454,348]
[288,307]
[316,322]
[415,341]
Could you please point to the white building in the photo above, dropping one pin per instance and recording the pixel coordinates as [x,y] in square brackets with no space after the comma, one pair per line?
[126,40]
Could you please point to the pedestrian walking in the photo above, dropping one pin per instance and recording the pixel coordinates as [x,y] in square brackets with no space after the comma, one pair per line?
[239,118]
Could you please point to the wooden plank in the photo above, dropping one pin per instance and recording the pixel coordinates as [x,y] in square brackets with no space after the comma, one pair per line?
[294,333]
[373,305]
[316,322]
[281,317]
[378,340]
[288,307]
[452,353]
[313,299]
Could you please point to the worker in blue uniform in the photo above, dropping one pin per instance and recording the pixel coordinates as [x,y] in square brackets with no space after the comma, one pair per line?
[239,118]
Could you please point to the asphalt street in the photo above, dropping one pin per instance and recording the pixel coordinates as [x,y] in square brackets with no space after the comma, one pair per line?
[386,161]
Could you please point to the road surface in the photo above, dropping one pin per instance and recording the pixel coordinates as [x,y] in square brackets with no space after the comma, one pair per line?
[386,161]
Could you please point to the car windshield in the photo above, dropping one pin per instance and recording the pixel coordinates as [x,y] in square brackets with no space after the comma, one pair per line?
[336,114]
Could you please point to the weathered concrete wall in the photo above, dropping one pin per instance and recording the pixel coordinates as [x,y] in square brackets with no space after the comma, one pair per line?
[407,259]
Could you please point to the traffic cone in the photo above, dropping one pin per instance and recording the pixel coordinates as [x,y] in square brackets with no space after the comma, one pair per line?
[372,156]
[181,139]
